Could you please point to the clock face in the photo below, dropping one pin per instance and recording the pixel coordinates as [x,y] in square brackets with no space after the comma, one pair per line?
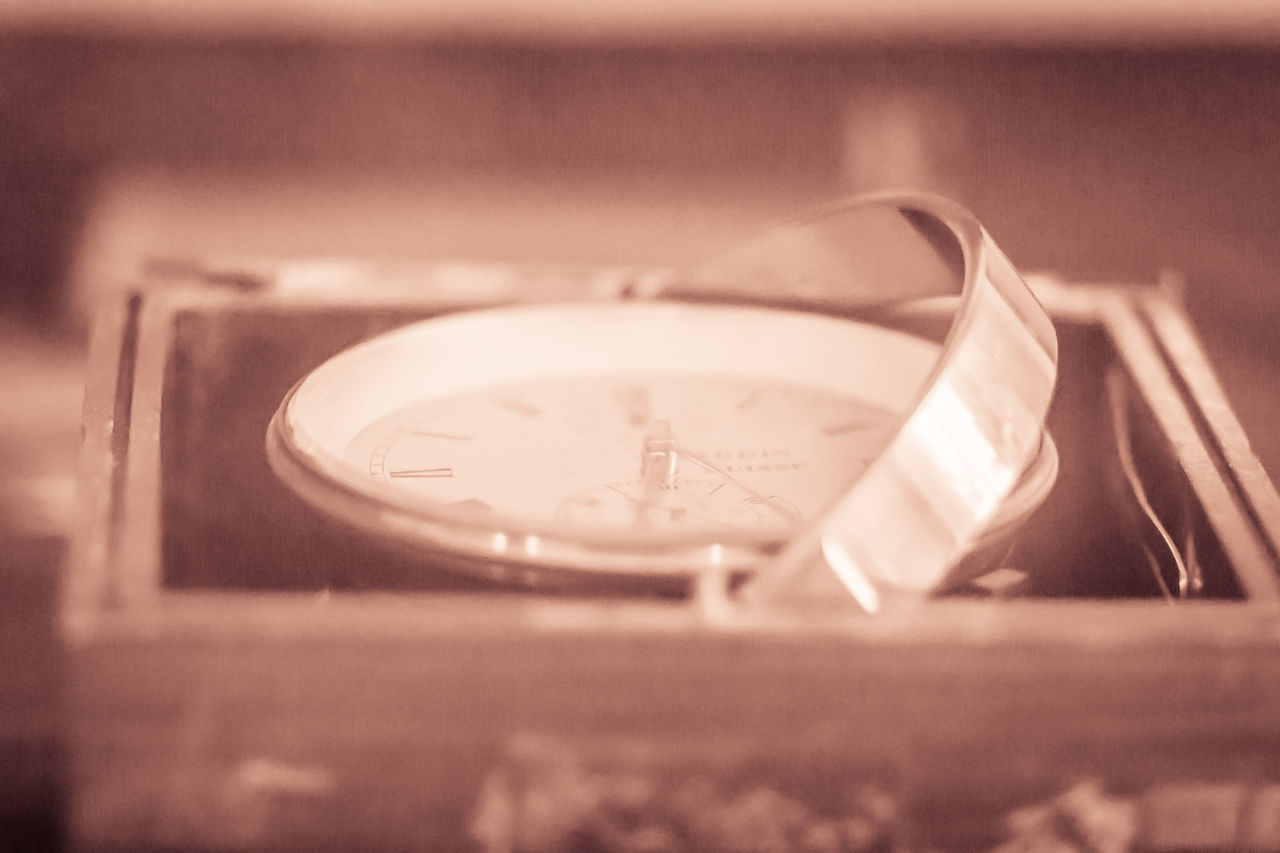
[598,434]
[646,455]
[764,411]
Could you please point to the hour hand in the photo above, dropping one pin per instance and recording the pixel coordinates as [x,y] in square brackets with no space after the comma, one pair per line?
[638,402]
[754,495]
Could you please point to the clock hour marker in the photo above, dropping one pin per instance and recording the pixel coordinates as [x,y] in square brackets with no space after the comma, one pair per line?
[421,473]
[450,436]
[519,407]
[472,505]
[846,427]
[636,400]
[747,401]
[774,503]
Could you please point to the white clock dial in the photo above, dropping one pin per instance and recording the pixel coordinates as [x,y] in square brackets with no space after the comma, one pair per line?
[764,411]
[745,454]
[598,437]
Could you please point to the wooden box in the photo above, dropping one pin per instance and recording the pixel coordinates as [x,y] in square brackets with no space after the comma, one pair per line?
[247,676]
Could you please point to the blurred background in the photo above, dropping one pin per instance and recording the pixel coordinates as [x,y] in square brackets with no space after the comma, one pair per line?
[1099,140]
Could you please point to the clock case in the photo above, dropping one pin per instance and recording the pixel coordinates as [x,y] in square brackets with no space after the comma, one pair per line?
[246,674]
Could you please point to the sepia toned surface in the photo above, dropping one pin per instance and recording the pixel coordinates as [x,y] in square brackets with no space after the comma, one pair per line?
[416,719]
[1109,151]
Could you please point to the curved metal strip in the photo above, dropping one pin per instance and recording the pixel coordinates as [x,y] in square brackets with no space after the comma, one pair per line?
[977,426]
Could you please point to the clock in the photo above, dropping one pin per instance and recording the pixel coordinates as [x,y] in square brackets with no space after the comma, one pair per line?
[854,401]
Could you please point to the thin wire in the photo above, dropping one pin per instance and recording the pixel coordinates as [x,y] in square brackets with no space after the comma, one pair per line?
[1124,436]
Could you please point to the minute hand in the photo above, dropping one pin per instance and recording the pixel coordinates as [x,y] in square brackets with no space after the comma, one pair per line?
[699,460]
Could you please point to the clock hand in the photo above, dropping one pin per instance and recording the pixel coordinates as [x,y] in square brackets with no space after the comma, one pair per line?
[638,403]
[759,497]
[696,516]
